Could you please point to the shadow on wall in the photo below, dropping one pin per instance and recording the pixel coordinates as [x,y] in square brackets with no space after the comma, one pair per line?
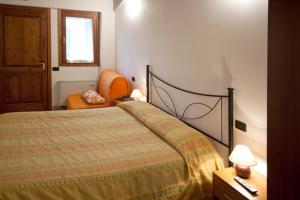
[255,137]
[117,3]
[226,75]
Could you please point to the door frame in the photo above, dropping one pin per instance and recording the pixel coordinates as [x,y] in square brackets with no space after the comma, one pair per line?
[49,74]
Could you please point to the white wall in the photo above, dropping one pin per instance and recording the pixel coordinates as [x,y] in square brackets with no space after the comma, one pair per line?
[107,34]
[204,46]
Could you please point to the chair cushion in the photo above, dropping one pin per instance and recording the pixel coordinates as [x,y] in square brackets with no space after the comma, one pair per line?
[75,101]
[112,85]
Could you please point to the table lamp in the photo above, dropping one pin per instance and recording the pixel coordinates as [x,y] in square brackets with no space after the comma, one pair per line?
[136,94]
[243,159]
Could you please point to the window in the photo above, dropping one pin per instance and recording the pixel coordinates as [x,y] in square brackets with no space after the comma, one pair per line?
[78,38]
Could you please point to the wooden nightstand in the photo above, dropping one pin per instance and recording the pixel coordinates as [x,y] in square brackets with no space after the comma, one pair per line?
[226,188]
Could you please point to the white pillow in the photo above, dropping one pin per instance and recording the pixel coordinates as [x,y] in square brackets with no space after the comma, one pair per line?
[92,97]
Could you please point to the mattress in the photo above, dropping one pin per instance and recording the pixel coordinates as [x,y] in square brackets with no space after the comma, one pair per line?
[134,151]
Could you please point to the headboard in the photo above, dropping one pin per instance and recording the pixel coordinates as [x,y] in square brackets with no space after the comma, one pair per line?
[220,106]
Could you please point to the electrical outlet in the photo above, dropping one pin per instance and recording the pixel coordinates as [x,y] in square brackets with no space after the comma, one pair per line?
[133,78]
[241,125]
[55,68]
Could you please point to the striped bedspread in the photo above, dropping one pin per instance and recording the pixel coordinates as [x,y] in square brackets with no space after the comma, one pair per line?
[134,152]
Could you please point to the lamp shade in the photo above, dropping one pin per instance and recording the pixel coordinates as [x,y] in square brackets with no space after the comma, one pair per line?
[136,94]
[242,155]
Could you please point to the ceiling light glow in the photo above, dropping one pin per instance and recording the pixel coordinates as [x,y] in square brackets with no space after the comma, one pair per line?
[134,8]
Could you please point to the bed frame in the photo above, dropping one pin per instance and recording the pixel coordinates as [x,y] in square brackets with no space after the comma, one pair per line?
[151,79]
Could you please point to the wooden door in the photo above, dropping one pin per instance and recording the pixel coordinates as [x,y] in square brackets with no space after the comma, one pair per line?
[24,59]
[283,100]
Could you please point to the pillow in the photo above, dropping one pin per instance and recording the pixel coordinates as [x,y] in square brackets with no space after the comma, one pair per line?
[92,97]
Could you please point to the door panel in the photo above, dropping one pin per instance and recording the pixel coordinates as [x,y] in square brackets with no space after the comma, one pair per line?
[21,87]
[23,59]
[22,37]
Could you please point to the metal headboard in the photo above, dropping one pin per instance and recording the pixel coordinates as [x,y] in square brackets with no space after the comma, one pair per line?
[151,81]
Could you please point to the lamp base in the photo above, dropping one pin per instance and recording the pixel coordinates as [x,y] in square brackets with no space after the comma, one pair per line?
[242,171]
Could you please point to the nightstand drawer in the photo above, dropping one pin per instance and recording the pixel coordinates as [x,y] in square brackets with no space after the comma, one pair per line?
[224,191]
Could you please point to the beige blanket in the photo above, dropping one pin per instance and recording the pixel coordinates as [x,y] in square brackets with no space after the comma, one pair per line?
[104,153]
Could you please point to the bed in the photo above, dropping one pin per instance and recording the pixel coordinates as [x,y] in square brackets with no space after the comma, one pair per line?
[133,151]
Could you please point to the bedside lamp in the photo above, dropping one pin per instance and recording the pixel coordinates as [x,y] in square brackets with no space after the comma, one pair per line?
[136,94]
[243,159]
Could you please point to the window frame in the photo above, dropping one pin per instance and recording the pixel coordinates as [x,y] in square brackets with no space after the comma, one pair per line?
[96,17]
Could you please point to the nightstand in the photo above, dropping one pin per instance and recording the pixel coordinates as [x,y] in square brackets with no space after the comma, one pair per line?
[226,188]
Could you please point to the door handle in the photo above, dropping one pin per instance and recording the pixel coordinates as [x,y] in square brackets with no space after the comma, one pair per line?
[43,66]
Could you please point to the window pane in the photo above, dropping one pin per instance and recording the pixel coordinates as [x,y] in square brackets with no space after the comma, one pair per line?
[79,40]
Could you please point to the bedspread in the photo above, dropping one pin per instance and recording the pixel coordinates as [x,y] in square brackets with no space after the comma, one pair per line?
[200,156]
[107,153]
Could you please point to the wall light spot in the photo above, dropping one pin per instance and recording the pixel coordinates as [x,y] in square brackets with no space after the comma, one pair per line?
[134,8]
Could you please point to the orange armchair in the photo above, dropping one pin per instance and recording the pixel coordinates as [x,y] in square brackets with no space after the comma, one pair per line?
[111,86]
